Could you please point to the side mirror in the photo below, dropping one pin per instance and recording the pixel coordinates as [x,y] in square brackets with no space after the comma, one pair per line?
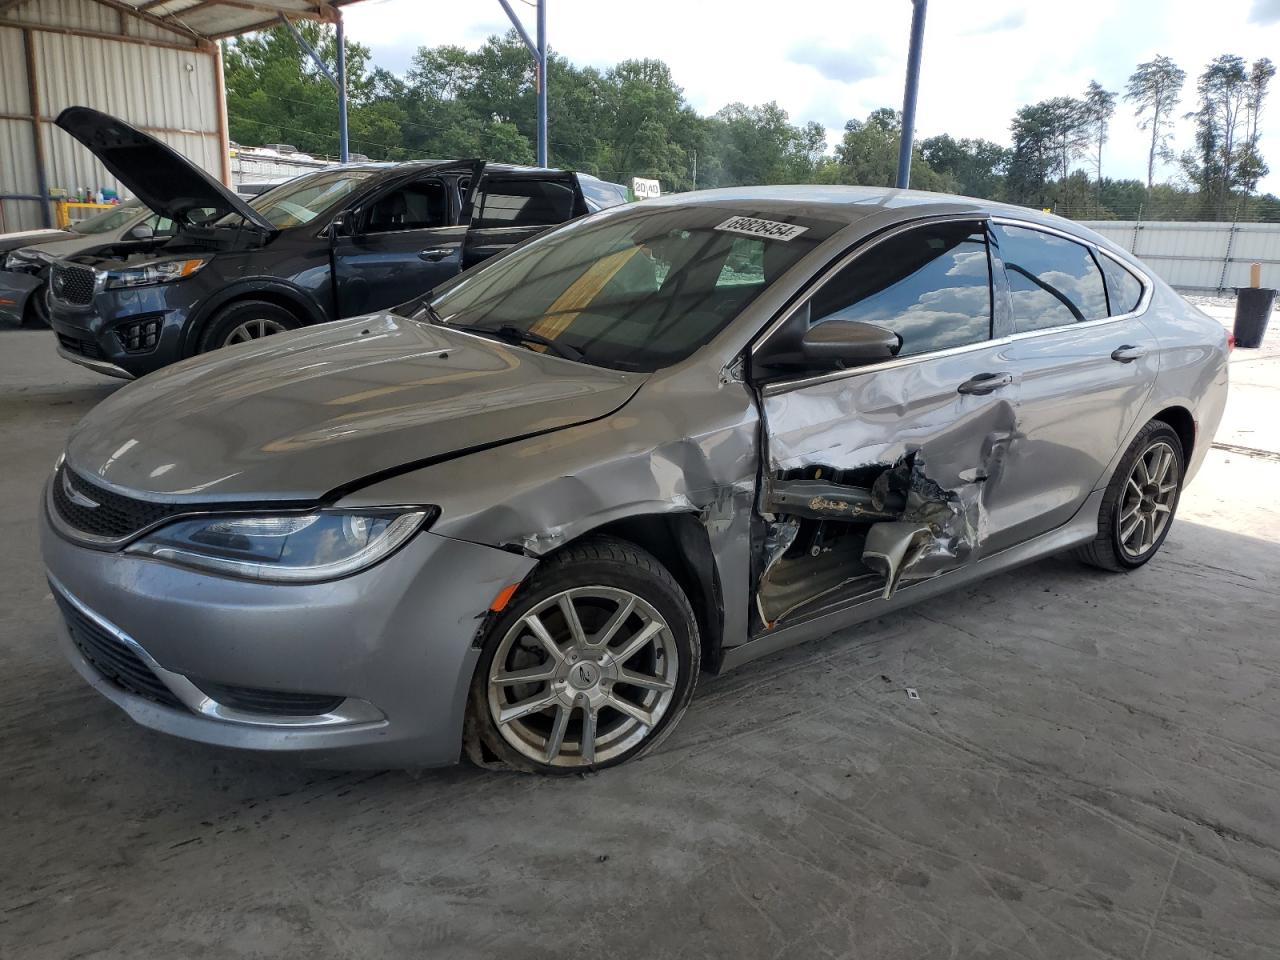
[850,341]
[141,231]
[344,223]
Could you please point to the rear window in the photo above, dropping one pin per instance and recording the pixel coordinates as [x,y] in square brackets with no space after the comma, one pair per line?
[522,203]
[1124,289]
[1053,281]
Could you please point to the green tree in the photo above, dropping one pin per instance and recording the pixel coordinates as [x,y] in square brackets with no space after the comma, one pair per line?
[1099,106]
[976,166]
[1226,156]
[1155,88]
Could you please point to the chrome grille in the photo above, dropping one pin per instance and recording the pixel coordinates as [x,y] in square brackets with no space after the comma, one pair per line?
[72,283]
[102,513]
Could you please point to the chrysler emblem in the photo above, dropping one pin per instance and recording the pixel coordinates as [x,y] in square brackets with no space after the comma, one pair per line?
[74,495]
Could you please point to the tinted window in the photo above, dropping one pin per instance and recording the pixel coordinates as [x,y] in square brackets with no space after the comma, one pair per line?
[635,288]
[932,286]
[522,203]
[1123,287]
[1053,281]
[417,206]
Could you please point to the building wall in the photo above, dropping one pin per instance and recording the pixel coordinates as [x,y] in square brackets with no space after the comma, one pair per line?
[59,53]
[1199,257]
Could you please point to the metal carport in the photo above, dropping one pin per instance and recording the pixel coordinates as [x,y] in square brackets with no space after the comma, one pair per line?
[154,63]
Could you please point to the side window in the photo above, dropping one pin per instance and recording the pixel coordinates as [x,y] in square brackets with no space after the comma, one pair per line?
[161,226]
[415,206]
[522,203]
[1124,289]
[932,286]
[1053,281]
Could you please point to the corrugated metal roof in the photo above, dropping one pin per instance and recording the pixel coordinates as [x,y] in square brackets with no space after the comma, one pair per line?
[174,21]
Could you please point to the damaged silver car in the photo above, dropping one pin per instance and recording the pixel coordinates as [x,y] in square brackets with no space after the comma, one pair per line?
[522,514]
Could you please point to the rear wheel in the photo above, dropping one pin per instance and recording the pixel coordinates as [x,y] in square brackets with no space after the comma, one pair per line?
[1140,502]
[592,663]
[244,321]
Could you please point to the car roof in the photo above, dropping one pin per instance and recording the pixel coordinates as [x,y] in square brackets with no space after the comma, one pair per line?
[849,204]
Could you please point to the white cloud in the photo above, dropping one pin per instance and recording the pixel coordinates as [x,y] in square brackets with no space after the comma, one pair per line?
[832,60]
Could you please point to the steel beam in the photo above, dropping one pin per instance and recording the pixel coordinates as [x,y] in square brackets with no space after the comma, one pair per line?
[909,95]
[539,51]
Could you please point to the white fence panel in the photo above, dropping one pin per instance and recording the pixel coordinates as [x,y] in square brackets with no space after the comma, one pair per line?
[1199,257]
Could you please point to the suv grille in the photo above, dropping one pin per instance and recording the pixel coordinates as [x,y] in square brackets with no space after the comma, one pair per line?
[114,517]
[279,702]
[113,658]
[72,283]
[85,348]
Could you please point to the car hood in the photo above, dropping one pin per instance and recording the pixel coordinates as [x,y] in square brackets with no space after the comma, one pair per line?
[155,173]
[27,238]
[302,415]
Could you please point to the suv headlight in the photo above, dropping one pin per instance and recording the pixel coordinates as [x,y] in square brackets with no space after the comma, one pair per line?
[166,271]
[292,548]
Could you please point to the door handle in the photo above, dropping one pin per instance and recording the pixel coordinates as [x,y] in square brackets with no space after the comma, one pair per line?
[438,253]
[1128,353]
[984,383]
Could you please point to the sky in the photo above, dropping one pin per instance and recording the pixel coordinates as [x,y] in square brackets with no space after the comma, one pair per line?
[832,60]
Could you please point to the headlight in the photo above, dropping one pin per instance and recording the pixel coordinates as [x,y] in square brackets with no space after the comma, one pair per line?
[295,548]
[12,261]
[164,272]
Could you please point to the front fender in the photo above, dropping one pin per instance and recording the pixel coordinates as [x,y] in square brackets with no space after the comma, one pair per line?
[308,307]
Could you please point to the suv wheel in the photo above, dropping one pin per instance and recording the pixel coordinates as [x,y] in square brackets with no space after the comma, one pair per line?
[1139,504]
[592,663]
[243,321]
[37,313]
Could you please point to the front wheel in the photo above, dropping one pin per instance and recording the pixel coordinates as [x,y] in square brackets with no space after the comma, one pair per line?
[1140,502]
[36,315]
[244,321]
[591,664]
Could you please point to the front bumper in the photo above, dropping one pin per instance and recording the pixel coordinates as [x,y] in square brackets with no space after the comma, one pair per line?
[395,642]
[92,335]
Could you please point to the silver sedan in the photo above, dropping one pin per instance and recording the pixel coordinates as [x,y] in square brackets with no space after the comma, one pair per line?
[520,516]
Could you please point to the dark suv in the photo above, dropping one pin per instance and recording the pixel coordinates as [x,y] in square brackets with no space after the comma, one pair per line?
[342,241]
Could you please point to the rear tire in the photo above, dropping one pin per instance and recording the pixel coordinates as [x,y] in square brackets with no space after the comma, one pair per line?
[554,697]
[243,321]
[1140,501]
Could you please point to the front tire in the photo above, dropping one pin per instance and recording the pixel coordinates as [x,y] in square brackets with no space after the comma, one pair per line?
[36,314]
[591,664]
[1140,501]
[244,321]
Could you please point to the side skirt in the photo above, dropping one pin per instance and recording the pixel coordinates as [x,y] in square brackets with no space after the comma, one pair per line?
[1081,529]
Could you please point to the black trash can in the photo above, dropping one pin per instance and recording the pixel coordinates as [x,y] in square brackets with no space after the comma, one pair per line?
[1253,310]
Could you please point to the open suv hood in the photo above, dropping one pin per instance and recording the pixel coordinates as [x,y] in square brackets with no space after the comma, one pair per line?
[156,174]
[300,415]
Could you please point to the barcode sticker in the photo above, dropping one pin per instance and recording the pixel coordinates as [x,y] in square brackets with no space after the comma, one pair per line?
[755,227]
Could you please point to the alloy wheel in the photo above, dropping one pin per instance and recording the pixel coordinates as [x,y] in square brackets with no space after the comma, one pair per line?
[253,330]
[1150,493]
[583,676]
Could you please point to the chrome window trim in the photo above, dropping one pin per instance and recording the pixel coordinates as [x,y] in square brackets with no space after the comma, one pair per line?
[352,710]
[786,386]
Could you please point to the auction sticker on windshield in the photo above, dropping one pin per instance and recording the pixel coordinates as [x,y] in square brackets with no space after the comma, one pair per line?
[755,227]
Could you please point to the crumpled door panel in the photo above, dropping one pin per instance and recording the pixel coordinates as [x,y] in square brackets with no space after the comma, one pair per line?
[875,481]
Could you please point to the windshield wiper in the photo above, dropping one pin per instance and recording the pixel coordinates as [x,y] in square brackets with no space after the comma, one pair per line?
[513,334]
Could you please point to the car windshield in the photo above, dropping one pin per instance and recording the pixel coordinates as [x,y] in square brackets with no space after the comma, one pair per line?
[303,199]
[108,220]
[633,288]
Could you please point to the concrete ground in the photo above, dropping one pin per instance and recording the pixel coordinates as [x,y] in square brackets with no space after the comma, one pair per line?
[1091,771]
